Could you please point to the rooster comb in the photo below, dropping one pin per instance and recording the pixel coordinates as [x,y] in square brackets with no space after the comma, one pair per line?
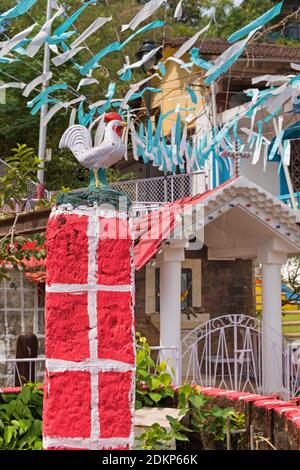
[112,117]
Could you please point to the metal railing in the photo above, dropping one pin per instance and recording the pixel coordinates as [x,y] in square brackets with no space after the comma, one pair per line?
[145,194]
[12,371]
[227,352]
[161,189]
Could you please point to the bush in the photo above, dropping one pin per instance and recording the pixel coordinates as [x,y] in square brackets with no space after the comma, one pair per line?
[21,419]
[152,381]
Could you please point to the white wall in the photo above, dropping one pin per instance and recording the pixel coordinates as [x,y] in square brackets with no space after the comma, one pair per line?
[268,180]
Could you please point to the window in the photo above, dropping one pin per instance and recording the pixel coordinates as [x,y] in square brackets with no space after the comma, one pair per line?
[186,289]
[191,274]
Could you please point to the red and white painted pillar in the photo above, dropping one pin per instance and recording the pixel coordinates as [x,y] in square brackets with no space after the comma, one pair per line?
[90,357]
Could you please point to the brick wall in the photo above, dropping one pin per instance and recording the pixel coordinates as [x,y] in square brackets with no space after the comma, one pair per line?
[227,286]
[276,420]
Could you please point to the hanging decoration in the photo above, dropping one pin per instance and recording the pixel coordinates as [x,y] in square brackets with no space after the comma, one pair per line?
[176,151]
[18,10]
[148,10]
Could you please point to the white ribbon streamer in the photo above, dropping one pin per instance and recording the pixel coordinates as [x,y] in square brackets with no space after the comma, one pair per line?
[277,101]
[139,63]
[19,85]
[190,42]
[11,43]
[44,32]
[270,78]
[72,117]
[178,10]
[295,66]
[135,87]
[98,23]
[87,81]
[35,82]
[58,107]
[143,14]
[62,58]
[54,4]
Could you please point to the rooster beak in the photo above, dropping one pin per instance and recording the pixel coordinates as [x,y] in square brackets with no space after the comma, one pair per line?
[123,124]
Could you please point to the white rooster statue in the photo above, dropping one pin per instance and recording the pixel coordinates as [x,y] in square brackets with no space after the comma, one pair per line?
[78,139]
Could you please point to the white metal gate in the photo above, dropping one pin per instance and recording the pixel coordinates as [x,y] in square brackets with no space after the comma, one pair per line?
[226,352]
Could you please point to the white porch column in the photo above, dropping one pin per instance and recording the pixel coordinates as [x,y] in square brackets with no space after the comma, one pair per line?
[272,328]
[272,256]
[170,307]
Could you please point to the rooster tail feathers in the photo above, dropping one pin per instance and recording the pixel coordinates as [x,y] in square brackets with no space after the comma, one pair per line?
[78,139]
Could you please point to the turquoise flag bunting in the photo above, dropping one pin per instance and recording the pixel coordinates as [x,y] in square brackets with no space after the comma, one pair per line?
[113,47]
[259,22]
[43,96]
[192,94]
[65,26]
[196,60]
[18,10]
[38,106]
[57,39]
[148,27]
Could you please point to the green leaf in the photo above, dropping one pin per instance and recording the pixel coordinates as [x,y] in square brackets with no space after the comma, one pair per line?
[169,392]
[25,395]
[197,400]
[15,423]
[8,434]
[180,437]
[148,401]
[162,366]
[38,445]
[143,373]
[154,383]
[156,397]
[24,425]
[165,379]
[138,404]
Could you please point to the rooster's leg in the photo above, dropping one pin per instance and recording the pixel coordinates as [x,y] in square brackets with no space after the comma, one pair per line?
[97,178]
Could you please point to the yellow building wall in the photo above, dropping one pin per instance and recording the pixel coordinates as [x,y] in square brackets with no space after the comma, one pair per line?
[290,315]
[174,91]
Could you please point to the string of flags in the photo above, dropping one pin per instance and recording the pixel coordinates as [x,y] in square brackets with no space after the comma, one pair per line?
[149,143]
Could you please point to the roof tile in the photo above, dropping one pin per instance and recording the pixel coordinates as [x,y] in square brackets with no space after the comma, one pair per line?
[263,50]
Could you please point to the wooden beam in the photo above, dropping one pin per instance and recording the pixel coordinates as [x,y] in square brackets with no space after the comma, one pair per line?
[27,223]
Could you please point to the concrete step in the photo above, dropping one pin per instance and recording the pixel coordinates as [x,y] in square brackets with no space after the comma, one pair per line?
[291,323]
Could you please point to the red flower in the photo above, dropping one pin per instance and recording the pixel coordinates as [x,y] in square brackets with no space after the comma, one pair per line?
[29,246]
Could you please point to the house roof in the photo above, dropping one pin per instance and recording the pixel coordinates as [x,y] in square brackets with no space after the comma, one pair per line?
[263,50]
[153,230]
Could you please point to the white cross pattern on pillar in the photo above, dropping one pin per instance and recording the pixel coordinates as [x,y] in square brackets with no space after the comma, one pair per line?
[92,321]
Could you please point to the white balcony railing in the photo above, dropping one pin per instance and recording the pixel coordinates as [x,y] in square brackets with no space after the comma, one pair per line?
[163,188]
